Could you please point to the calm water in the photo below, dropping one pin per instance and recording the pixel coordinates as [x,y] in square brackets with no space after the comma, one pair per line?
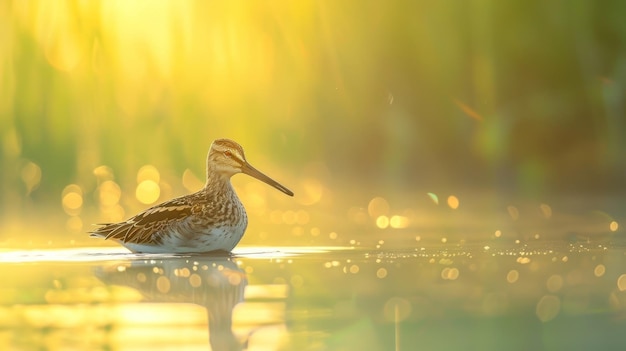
[562,295]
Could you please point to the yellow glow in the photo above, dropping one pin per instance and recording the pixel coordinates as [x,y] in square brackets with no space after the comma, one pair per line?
[498,233]
[255,195]
[548,307]
[148,172]
[113,213]
[450,273]
[11,143]
[289,217]
[31,176]
[382,222]
[182,272]
[109,193]
[74,224]
[453,202]
[523,260]
[512,276]
[296,281]
[58,35]
[103,173]
[399,222]
[354,269]
[195,280]
[163,284]
[378,207]
[72,199]
[513,212]
[554,283]
[621,282]
[148,192]
[234,277]
[468,110]
[397,309]
[276,217]
[191,182]
[599,270]
[546,210]
[311,191]
[381,273]
[613,226]
[302,217]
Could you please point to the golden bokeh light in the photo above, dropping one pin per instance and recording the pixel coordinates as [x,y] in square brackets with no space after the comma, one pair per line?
[289,217]
[399,222]
[296,281]
[512,276]
[72,199]
[377,207]
[31,176]
[311,191]
[191,182]
[254,195]
[109,193]
[621,282]
[148,192]
[163,284]
[599,270]
[114,213]
[58,35]
[195,280]
[546,210]
[613,226]
[381,273]
[148,172]
[302,217]
[453,202]
[554,283]
[548,307]
[74,224]
[103,173]
[450,273]
[513,212]
[382,222]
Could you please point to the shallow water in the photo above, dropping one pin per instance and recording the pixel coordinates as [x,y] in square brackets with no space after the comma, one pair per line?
[564,295]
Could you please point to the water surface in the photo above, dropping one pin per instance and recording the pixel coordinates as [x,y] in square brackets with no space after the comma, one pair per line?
[562,295]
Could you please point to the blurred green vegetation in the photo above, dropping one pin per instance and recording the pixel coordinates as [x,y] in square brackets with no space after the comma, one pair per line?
[521,97]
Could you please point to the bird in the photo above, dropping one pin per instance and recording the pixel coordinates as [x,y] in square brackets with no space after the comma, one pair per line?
[212,219]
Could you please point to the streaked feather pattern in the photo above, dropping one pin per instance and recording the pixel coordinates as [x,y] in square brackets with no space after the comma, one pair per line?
[208,220]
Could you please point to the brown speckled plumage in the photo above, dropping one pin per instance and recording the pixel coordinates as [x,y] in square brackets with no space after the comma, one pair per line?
[208,220]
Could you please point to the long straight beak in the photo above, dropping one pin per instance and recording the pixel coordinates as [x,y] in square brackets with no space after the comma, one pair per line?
[253,172]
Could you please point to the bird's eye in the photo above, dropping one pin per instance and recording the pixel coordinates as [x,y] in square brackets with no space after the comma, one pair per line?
[227,153]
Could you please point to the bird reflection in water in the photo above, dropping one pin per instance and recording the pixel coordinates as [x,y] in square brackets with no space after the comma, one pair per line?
[215,283]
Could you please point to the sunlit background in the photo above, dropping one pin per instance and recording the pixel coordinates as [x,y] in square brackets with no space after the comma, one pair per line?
[372,113]
[458,169]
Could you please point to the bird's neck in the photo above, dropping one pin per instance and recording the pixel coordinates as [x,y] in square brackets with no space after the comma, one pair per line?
[216,181]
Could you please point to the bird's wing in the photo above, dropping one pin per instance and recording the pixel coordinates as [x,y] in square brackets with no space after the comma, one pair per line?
[140,228]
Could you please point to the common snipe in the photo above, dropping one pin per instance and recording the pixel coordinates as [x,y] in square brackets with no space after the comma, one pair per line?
[211,219]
